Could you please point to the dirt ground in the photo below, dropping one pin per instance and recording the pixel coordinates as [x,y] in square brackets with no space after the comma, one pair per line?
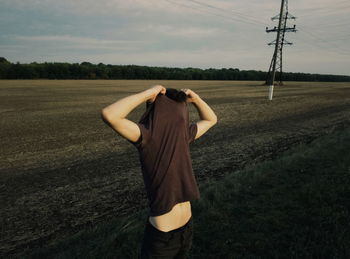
[62,168]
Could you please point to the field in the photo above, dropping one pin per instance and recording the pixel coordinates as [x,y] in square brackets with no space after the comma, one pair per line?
[63,169]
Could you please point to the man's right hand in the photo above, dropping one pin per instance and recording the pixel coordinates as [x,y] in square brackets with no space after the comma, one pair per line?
[154,91]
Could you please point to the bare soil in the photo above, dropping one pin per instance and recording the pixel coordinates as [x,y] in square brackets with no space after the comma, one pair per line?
[62,169]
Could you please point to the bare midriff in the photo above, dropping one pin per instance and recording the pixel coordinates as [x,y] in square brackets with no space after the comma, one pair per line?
[176,218]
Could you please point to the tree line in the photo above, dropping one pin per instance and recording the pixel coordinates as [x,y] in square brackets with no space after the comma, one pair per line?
[87,70]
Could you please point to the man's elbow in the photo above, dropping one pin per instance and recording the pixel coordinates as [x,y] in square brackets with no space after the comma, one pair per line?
[112,121]
[211,122]
[109,118]
[214,120]
[104,117]
[104,114]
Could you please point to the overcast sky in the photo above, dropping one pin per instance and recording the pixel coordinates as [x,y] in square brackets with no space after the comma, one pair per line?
[176,33]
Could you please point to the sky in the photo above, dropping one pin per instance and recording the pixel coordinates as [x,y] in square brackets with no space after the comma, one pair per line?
[176,33]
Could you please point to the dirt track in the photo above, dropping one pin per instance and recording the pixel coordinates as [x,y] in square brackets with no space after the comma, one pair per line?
[62,168]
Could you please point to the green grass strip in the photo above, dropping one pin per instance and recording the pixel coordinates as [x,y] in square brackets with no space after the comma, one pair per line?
[297,206]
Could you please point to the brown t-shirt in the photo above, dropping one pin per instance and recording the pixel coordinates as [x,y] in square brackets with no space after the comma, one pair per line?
[165,156]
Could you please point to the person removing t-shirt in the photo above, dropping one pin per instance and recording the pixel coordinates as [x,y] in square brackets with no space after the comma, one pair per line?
[162,138]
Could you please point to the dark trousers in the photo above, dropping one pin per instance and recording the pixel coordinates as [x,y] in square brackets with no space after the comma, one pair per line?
[173,244]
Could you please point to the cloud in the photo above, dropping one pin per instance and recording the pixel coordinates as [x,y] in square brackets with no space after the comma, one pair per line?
[80,41]
[92,7]
[68,38]
[203,58]
[179,31]
[201,33]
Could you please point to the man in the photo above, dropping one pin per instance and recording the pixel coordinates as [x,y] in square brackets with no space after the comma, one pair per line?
[162,137]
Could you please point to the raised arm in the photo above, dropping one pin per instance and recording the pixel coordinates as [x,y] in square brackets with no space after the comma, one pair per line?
[115,114]
[206,114]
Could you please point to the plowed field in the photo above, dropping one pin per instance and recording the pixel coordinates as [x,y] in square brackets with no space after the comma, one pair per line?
[62,168]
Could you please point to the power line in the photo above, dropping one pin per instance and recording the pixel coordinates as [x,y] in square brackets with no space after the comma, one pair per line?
[345,38]
[245,16]
[323,34]
[254,21]
[317,44]
[325,12]
[332,6]
[328,24]
[321,47]
[334,48]
[251,20]
[225,17]
[333,36]
[321,39]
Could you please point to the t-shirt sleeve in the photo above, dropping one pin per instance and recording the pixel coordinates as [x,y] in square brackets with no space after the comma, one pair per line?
[144,136]
[192,132]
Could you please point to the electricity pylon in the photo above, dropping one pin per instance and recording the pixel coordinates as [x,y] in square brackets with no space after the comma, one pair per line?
[276,62]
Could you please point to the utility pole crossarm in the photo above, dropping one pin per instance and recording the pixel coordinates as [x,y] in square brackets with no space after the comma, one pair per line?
[287,29]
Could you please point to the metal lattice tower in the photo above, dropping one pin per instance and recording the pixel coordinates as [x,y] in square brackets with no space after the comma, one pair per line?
[276,62]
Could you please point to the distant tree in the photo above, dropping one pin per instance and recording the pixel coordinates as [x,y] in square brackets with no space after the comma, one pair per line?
[87,70]
[3,60]
[18,71]
[86,63]
[101,71]
[4,67]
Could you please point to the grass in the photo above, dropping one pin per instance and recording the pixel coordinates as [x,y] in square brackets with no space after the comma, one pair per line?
[296,206]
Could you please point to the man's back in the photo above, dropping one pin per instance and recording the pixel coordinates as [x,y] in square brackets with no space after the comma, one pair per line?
[165,160]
